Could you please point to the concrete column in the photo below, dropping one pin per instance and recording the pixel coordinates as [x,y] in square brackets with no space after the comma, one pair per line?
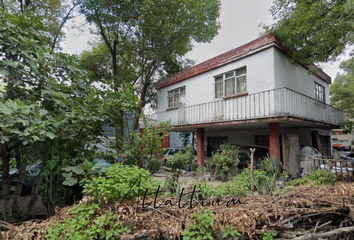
[200,147]
[291,160]
[274,143]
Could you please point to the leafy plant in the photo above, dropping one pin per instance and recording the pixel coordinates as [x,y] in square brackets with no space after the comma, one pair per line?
[121,181]
[285,174]
[85,224]
[262,182]
[297,182]
[144,149]
[205,189]
[230,234]
[202,229]
[177,163]
[269,235]
[224,159]
[271,166]
[323,177]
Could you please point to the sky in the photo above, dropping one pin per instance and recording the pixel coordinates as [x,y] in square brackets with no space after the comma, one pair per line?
[240,23]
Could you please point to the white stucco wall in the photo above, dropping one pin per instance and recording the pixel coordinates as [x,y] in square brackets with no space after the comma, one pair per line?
[266,70]
[200,88]
[296,77]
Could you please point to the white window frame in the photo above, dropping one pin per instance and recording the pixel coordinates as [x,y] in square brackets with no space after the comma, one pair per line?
[230,77]
[319,91]
[173,94]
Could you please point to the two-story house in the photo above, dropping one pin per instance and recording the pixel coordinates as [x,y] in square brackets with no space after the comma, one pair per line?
[253,94]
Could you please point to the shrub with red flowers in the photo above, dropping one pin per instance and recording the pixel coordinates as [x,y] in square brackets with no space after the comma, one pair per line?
[225,159]
[144,148]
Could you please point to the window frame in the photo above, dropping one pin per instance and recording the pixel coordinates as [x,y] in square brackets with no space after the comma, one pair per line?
[320,92]
[231,78]
[173,95]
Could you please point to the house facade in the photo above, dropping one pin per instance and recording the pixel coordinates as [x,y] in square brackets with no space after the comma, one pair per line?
[251,95]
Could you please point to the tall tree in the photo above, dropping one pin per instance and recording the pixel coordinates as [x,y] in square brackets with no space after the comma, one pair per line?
[55,14]
[48,98]
[140,34]
[342,89]
[314,31]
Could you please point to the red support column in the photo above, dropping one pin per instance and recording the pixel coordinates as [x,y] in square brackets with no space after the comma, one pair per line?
[166,140]
[274,141]
[200,147]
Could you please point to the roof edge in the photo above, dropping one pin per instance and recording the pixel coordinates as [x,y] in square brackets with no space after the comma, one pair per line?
[231,56]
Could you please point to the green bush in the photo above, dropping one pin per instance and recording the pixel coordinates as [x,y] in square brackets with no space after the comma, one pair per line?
[120,181]
[262,182]
[297,182]
[84,224]
[205,189]
[202,229]
[224,160]
[323,177]
[320,177]
[144,149]
[177,163]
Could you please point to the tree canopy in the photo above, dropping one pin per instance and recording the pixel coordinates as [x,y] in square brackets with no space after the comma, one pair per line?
[49,101]
[144,36]
[342,89]
[314,31]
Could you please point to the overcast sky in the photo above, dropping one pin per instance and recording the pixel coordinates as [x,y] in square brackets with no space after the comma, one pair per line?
[240,23]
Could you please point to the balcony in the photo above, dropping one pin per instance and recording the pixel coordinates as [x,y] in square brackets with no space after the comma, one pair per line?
[279,102]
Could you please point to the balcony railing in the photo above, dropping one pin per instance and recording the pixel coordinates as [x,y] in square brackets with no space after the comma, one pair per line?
[271,103]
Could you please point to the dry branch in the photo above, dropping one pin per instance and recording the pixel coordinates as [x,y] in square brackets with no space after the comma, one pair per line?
[336,232]
[296,215]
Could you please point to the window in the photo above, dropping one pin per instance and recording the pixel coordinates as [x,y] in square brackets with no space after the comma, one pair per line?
[319,92]
[261,140]
[230,83]
[177,97]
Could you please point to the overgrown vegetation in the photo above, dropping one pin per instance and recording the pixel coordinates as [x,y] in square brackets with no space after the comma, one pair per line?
[271,167]
[202,228]
[179,161]
[207,190]
[84,222]
[120,181]
[144,149]
[323,177]
[320,177]
[225,161]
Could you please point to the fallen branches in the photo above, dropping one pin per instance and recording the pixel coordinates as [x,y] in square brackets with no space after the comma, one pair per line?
[336,232]
[301,213]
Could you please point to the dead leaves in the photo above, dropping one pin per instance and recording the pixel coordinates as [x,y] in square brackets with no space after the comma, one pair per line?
[295,213]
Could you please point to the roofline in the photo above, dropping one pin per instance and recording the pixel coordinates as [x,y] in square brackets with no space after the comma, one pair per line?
[245,50]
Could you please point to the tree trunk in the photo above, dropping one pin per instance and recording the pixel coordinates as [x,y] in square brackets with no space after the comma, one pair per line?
[135,124]
[119,131]
[118,120]
[34,196]
[6,183]
[252,183]
[18,190]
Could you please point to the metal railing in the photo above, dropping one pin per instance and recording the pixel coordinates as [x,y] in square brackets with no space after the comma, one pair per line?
[271,103]
[343,169]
